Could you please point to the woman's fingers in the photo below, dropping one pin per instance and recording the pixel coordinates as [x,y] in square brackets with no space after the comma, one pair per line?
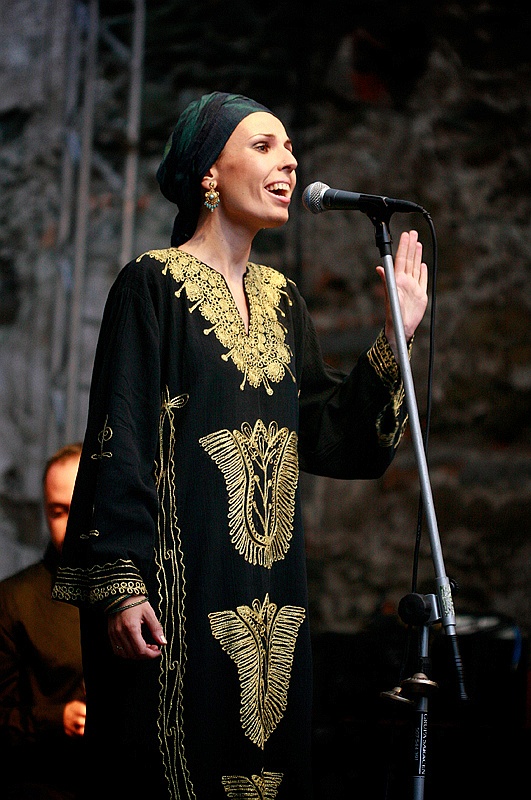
[136,632]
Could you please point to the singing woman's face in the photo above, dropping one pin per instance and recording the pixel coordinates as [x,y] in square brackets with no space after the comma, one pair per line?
[255,173]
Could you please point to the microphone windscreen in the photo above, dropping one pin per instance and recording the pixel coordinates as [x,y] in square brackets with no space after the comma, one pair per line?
[312,198]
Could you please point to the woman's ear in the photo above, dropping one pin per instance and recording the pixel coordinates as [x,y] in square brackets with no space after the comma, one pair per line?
[208,178]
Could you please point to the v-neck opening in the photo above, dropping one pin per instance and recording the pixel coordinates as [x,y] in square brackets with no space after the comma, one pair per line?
[246,331]
[261,353]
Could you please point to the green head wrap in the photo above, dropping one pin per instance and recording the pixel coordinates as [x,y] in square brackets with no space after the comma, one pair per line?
[197,140]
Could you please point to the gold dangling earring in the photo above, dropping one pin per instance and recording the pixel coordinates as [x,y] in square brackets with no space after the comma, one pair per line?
[212,197]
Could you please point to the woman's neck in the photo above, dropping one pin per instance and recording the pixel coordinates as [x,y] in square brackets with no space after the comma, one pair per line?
[225,251]
[227,258]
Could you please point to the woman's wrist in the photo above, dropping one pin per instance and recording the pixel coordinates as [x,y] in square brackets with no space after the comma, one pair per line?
[118,602]
[131,602]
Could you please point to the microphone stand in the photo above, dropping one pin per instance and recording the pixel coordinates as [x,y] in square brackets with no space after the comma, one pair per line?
[416,609]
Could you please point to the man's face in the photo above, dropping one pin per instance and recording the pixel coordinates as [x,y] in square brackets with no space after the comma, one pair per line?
[58,490]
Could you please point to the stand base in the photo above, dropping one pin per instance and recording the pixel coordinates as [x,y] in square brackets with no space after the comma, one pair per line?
[362,743]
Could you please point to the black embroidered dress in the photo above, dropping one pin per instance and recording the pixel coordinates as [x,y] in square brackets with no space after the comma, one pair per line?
[188,491]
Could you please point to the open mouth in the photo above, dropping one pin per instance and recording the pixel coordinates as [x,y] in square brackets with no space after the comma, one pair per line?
[279,189]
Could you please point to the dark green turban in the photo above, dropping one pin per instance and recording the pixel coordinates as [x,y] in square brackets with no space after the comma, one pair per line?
[197,140]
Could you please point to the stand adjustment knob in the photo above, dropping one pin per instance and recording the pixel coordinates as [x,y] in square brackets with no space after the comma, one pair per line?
[414,609]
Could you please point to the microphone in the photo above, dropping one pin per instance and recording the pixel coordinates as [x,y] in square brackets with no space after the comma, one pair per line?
[319,197]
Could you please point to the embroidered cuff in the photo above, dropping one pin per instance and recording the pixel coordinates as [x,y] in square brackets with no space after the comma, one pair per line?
[389,428]
[100,585]
[383,359]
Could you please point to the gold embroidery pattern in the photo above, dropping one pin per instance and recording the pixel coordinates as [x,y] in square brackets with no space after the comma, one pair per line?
[384,364]
[261,642]
[261,354]
[103,436]
[258,787]
[261,471]
[170,576]
[100,582]
[93,533]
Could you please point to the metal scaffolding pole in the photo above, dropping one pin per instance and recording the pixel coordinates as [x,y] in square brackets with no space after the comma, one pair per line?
[133,133]
[82,213]
[64,268]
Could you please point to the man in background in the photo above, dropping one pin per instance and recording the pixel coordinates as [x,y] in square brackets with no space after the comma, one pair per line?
[42,697]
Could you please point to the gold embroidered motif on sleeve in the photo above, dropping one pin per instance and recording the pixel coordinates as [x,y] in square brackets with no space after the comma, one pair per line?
[92,533]
[259,787]
[103,436]
[171,584]
[261,642]
[261,471]
[383,361]
[100,582]
[168,406]
[261,354]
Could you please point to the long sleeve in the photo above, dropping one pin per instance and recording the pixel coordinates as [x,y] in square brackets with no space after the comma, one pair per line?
[15,711]
[40,658]
[111,529]
[350,425]
[27,712]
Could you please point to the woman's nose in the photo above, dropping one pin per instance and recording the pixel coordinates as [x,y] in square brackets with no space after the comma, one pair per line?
[290,162]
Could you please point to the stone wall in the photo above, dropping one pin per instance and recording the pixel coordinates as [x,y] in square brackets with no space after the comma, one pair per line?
[456,150]
[457,143]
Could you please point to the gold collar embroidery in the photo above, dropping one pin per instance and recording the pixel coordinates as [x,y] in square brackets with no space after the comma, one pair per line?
[261,354]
